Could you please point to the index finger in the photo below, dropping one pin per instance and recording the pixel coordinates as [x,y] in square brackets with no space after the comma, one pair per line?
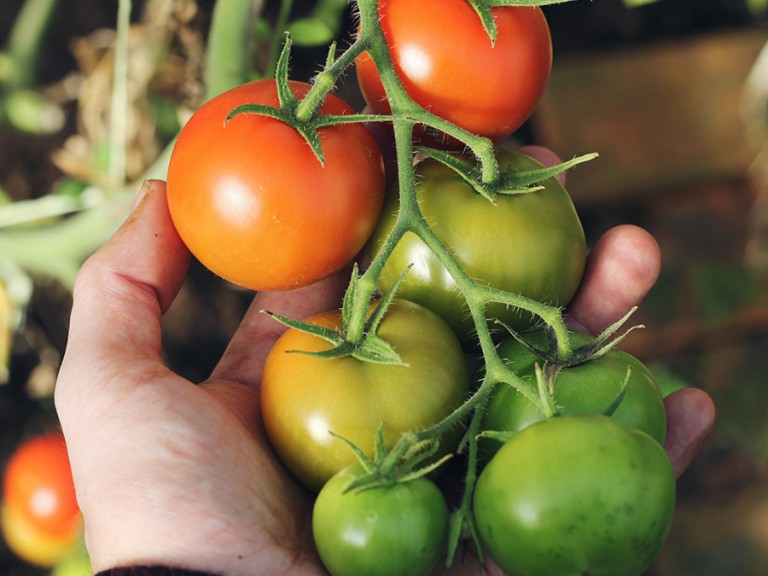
[120,295]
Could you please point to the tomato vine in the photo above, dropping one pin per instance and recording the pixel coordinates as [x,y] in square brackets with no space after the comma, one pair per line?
[359,337]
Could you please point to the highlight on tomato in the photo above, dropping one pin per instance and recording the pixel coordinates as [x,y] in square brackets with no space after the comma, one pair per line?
[253,203]
[40,518]
[447,63]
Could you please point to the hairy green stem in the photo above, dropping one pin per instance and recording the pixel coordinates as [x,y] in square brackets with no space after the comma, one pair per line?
[25,42]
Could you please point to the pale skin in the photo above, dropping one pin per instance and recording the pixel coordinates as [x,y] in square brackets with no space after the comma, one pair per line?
[169,472]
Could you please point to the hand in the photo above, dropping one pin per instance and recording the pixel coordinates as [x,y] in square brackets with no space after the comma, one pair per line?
[168,472]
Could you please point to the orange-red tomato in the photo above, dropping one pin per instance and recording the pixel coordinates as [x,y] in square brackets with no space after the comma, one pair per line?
[38,486]
[447,63]
[253,203]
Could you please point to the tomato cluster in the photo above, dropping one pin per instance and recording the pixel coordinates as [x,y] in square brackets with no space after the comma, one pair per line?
[41,521]
[364,404]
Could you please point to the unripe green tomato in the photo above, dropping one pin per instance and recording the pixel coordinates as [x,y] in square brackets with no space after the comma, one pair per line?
[395,530]
[588,388]
[575,495]
[530,244]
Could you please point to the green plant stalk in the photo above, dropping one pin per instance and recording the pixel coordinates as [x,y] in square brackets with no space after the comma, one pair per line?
[119,104]
[25,42]
[230,43]
[58,251]
[405,113]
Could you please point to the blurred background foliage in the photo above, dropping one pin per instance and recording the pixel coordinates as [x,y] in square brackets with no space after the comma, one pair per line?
[93,92]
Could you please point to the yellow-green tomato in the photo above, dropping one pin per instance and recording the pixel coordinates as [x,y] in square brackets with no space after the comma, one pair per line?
[588,388]
[530,244]
[575,495]
[395,530]
[305,398]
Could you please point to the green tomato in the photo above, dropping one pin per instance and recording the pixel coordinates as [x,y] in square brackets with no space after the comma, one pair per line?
[575,495]
[588,388]
[394,530]
[530,244]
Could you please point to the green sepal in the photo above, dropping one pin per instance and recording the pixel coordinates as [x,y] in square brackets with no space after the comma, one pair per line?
[509,182]
[468,171]
[614,405]
[512,182]
[285,95]
[327,334]
[483,10]
[461,530]
[389,467]
[497,435]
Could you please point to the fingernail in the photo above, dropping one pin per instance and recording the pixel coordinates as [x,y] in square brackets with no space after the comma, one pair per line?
[146,185]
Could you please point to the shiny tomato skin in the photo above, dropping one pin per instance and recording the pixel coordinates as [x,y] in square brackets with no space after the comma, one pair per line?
[394,530]
[38,485]
[304,398]
[588,388]
[253,203]
[575,495]
[530,244]
[447,63]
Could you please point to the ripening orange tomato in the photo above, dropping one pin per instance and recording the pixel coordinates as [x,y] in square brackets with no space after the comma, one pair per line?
[253,203]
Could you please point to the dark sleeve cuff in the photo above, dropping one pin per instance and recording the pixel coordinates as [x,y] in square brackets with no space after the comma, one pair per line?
[153,571]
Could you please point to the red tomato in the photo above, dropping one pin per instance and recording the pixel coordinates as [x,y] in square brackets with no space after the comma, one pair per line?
[253,203]
[38,487]
[447,63]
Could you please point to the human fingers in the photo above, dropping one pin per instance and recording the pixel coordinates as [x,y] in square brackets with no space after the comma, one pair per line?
[690,418]
[243,360]
[119,297]
[621,268]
